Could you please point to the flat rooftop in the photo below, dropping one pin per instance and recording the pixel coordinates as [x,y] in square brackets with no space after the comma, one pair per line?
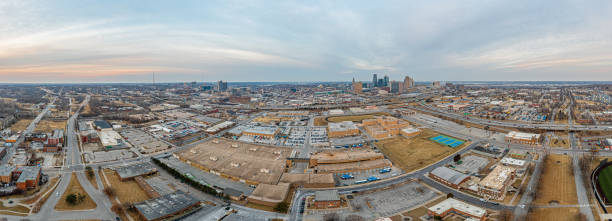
[307,178]
[449,175]
[345,156]
[452,203]
[28,173]
[342,126]
[165,205]
[497,177]
[271,193]
[262,164]
[134,170]
[327,195]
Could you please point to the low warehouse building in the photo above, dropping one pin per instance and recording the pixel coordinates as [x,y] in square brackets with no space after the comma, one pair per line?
[327,199]
[242,162]
[269,195]
[166,206]
[139,169]
[448,176]
[309,180]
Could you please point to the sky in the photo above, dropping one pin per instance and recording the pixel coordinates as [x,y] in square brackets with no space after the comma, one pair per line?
[127,41]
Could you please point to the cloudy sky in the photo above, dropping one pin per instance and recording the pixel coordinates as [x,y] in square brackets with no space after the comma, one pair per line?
[126,41]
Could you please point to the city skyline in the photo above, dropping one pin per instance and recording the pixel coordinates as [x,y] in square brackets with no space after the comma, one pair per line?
[76,42]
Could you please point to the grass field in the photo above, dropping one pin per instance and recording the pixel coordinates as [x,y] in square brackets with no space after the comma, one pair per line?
[48,125]
[21,125]
[75,187]
[557,173]
[17,210]
[553,214]
[355,118]
[126,191]
[417,152]
[605,182]
[86,110]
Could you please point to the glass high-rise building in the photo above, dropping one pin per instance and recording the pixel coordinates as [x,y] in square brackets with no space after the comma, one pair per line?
[374,81]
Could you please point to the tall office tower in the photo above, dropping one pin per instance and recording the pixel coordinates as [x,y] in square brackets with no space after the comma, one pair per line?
[395,86]
[221,86]
[381,83]
[374,81]
[386,82]
[408,82]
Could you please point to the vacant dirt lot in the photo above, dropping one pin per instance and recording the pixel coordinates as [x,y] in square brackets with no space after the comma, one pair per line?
[557,173]
[322,121]
[417,152]
[48,125]
[356,118]
[76,188]
[556,214]
[21,125]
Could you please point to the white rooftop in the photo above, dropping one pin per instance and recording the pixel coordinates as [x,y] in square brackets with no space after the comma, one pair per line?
[512,161]
[521,135]
[452,203]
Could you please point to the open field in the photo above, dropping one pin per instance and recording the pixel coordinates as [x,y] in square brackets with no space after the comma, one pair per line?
[605,182]
[86,110]
[417,152]
[75,187]
[48,125]
[556,214]
[557,173]
[17,210]
[320,121]
[21,125]
[126,191]
[355,118]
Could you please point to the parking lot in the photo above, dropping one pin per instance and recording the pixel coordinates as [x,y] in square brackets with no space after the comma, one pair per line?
[105,156]
[365,174]
[144,142]
[390,201]
[383,202]
[297,136]
[318,136]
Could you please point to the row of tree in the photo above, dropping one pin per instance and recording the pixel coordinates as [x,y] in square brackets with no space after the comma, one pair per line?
[185,179]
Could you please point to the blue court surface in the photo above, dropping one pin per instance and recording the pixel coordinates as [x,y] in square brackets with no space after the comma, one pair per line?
[447,141]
